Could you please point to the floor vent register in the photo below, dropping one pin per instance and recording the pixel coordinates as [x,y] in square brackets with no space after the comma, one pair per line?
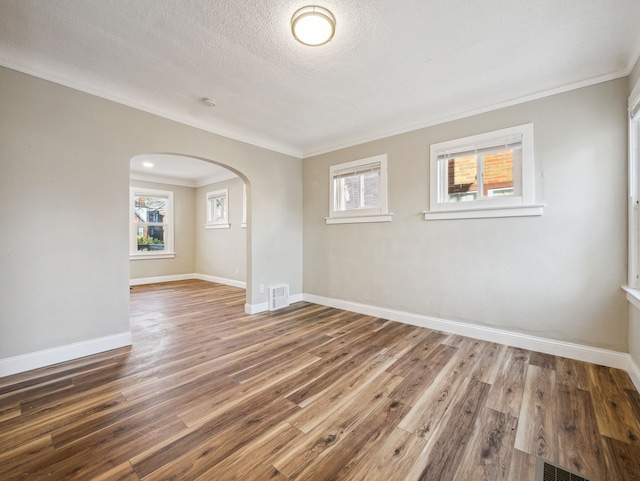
[545,471]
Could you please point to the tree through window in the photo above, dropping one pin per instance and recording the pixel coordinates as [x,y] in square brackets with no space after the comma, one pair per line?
[152,230]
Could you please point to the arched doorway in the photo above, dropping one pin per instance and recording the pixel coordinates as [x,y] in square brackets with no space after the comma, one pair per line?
[188,220]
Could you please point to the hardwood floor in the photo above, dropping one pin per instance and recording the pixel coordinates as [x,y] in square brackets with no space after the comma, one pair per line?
[310,393]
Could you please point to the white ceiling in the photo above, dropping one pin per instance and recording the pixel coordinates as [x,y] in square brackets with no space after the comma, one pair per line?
[391,67]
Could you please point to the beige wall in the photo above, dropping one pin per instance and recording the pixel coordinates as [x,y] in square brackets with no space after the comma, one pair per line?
[556,276]
[64,183]
[219,252]
[184,238]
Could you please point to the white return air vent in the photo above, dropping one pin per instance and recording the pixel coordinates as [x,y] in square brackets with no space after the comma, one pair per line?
[278,296]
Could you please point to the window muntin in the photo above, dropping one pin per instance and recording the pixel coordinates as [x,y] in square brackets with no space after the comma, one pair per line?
[490,171]
[152,223]
[358,190]
[218,209]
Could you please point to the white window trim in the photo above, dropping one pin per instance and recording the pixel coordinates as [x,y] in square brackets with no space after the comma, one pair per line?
[359,219]
[220,223]
[503,206]
[634,189]
[486,213]
[169,252]
[356,216]
[243,224]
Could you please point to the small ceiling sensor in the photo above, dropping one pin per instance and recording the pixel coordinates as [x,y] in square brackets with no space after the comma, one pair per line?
[209,102]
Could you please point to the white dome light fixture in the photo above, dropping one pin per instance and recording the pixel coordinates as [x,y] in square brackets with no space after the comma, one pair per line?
[313,25]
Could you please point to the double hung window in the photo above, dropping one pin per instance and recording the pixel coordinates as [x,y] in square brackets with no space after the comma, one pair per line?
[218,209]
[151,223]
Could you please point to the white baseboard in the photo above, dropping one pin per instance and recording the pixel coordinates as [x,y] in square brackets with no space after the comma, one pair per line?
[256,308]
[55,355]
[158,279]
[293,298]
[186,277]
[264,306]
[221,280]
[248,308]
[578,352]
[634,372]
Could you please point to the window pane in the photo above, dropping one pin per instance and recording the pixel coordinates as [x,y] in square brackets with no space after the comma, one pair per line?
[347,192]
[219,208]
[498,173]
[371,183]
[351,192]
[150,238]
[150,209]
[357,191]
[462,178]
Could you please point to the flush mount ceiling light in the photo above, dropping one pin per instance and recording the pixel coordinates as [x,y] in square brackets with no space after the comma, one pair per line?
[313,25]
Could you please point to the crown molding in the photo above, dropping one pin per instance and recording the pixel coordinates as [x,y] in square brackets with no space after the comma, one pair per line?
[471,113]
[161,179]
[246,138]
[318,150]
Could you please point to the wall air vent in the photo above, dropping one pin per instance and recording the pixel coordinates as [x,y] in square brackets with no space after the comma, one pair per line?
[278,296]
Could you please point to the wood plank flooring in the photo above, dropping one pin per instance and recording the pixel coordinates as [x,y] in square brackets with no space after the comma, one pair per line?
[308,392]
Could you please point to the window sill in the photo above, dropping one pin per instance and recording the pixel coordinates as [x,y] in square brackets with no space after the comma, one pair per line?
[359,219]
[217,226]
[140,257]
[515,211]
[633,296]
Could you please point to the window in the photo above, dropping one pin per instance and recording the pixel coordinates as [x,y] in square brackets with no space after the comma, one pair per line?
[358,191]
[634,189]
[218,209]
[486,175]
[152,224]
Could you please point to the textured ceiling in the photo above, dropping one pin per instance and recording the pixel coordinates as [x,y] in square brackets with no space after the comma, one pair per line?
[391,67]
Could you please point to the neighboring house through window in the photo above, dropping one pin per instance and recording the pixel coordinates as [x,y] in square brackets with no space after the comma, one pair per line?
[358,191]
[486,175]
[152,223]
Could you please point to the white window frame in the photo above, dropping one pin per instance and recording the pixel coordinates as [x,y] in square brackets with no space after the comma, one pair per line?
[634,190]
[243,224]
[223,222]
[351,216]
[522,203]
[168,252]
